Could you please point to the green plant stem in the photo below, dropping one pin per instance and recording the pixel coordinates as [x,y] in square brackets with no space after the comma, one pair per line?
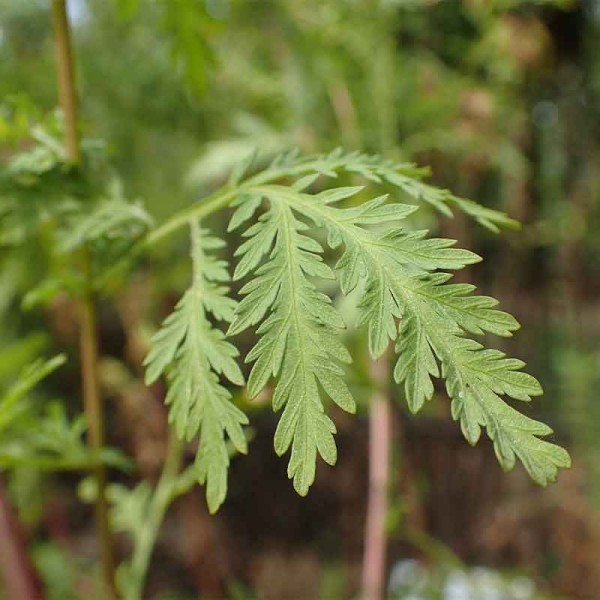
[203,208]
[199,210]
[166,491]
[225,195]
[87,336]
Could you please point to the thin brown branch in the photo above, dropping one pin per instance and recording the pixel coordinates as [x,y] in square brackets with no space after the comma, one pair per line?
[88,336]
[94,411]
[66,79]
[345,114]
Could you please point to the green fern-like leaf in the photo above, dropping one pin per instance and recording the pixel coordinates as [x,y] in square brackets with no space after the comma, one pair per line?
[195,354]
[435,318]
[111,219]
[405,297]
[406,177]
[299,335]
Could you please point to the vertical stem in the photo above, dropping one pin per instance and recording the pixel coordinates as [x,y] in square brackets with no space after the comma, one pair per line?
[373,574]
[94,411]
[18,576]
[66,79]
[87,335]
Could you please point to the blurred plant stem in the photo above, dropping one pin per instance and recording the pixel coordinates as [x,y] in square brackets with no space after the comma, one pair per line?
[95,417]
[170,485]
[66,79]
[18,576]
[88,323]
[373,574]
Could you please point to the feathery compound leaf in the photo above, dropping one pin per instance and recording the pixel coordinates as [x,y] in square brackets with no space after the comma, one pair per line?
[403,298]
[434,319]
[194,354]
[112,218]
[404,176]
[299,339]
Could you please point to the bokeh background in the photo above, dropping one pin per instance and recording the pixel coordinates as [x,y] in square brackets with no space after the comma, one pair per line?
[502,99]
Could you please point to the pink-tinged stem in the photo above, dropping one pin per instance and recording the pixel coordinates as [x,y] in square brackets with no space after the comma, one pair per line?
[19,579]
[373,575]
